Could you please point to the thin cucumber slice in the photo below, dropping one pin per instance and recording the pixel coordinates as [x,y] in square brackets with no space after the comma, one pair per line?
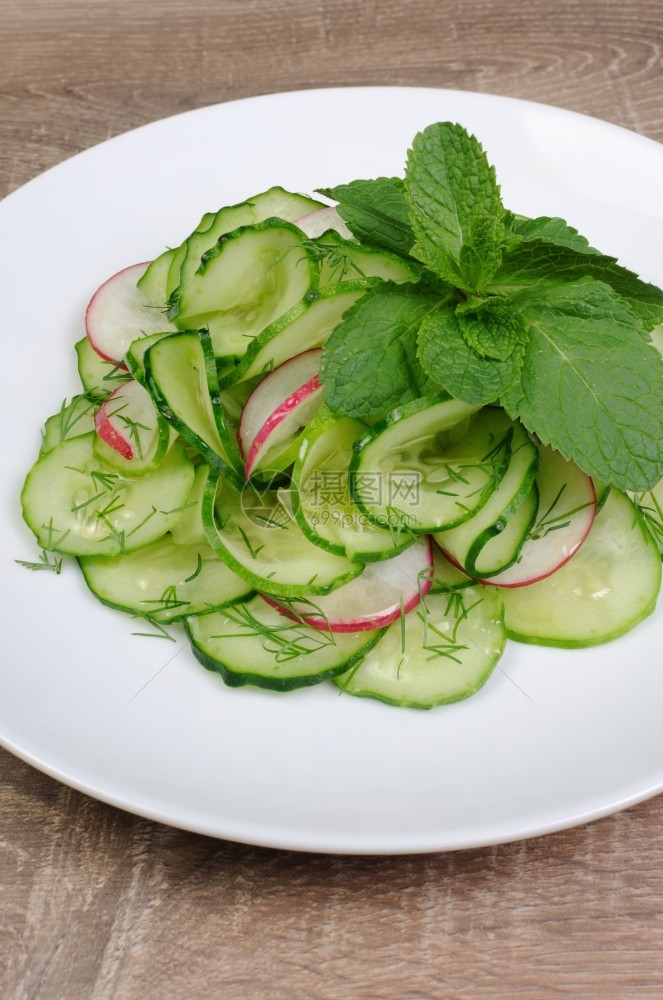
[256,534]
[321,499]
[252,643]
[488,543]
[78,506]
[188,529]
[163,581]
[153,282]
[494,554]
[601,494]
[446,576]
[99,377]
[135,356]
[174,267]
[181,375]
[651,507]
[305,326]
[346,260]
[431,463]
[276,203]
[74,418]
[253,276]
[611,583]
[566,508]
[442,652]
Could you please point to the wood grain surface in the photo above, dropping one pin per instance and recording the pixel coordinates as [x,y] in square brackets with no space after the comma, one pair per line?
[98,904]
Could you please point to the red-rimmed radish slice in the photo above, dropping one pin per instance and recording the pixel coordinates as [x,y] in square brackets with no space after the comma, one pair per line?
[321,221]
[375,598]
[119,313]
[279,406]
[128,421]
[566,511]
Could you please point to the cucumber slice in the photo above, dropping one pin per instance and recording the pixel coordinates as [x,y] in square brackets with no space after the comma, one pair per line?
[441,652]
[601,494]
[321,499]
[305,326]
[346,260]
[494,553]
[257,536]
[99,377]
[610,584]
[276,203]
[491,540]
[76,505]
[446,576]
[74,418]
[180,372]
[174,267]
[565,512]
[163,581]
[153,282]
[188,529]
[252,643]
[253,276]
[431,463]
[651,507]
[134,359]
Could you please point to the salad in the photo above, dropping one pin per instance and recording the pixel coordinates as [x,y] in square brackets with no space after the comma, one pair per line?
[367,437]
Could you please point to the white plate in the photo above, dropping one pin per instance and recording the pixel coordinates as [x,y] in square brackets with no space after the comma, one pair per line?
[554,739]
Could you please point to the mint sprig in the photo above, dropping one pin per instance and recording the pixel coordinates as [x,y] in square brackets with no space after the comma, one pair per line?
[455,206]
[520,311]
[376,212]
[466,374]
[360,382]
[589,385]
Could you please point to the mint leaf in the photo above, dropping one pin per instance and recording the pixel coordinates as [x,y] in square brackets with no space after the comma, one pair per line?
[548,229]
[370,362]
[455,206]
[376,212]
[590,385]
[490,326]
[537,262]
[450,361]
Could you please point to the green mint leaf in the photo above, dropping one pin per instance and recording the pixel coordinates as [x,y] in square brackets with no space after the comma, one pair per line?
[547,229]
[490,326]
[455,206]
[590,384]
[376,212]
[370,363]
[451,362]
[537,262]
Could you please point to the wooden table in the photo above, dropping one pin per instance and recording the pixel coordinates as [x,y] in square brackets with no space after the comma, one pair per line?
[100,904]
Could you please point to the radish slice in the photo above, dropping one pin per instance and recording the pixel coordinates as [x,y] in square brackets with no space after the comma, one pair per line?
[279,406]
[119,313]
[321,221]
[375,598]
[567,507]
[127,421]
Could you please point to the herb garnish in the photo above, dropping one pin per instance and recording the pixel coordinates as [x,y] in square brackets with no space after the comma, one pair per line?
[520,311]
